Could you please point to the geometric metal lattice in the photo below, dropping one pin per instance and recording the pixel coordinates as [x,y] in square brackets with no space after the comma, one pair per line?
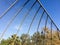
[34,9]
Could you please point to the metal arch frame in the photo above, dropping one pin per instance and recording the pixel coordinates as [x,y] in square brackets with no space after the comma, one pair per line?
[45,29]
[8,9]
[33,18]
[24,19]
[13,19]
[52,22]
[40,20]
[39,23]
[47,13]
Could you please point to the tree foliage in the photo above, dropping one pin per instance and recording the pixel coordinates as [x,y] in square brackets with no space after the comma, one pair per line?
[36,39]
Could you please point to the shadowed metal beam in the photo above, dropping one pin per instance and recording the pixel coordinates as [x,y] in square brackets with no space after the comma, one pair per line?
[40,20]
[47,13]
[19,10]
[33,18]
[8,9]
[24,18]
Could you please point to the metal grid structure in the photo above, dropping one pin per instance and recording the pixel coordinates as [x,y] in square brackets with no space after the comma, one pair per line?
[44,13]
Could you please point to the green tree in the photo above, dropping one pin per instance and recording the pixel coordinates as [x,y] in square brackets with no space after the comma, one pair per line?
[25,38]
[36,39]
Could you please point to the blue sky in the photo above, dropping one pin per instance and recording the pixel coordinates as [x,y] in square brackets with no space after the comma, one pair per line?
[52,7]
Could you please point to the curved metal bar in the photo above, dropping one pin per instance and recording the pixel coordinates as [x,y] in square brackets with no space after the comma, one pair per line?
[40,21]
[8,9]
[45,29]
[47,13]
[25,17]
[33,19]
[13,19]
